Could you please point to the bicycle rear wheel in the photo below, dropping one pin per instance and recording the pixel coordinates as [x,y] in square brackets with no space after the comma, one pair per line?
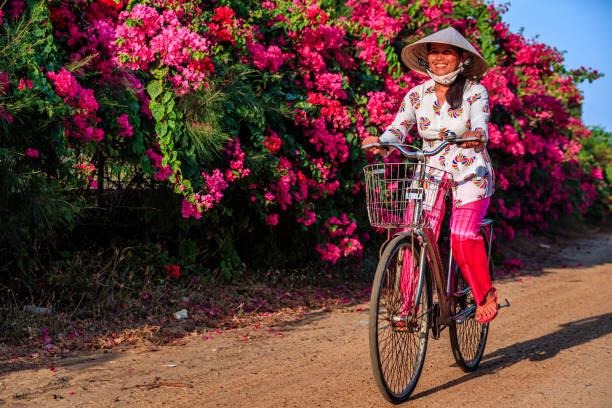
[398,341]
[468,338]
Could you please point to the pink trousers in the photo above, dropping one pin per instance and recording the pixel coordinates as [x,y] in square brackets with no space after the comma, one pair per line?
[467,245]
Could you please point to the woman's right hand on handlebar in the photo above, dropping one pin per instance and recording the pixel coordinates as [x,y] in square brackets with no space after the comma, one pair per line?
[373,139]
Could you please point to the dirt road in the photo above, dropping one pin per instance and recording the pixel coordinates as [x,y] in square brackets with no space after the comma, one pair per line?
[552,348]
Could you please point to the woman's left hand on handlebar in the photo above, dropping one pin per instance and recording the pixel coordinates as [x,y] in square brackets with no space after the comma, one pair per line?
[477,146]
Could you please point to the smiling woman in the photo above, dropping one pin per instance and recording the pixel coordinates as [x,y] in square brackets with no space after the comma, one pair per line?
[451,102]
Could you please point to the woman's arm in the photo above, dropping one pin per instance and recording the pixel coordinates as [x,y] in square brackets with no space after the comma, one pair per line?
[397,131]
[479,117]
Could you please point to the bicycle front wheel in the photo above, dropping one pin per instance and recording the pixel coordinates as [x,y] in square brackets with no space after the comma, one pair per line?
[399,320]
[468,337]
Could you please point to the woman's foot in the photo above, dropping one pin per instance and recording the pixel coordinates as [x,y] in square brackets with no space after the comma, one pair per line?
[487,310]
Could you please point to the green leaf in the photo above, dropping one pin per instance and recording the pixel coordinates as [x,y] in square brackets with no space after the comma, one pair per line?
[161,129]
[157,110]
[154,89]
[166,97]
[169,106]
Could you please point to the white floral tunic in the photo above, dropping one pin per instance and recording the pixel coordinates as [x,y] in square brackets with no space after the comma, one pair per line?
[472,172]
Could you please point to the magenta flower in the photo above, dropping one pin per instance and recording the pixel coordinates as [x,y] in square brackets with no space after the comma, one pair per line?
[272,219]
[31,153]
[25,84]
[597,173]
[126,129]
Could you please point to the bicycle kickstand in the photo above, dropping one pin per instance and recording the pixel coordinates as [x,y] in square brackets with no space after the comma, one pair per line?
[500,306]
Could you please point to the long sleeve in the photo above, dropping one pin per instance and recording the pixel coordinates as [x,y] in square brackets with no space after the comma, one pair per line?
[480,111]
[405,118]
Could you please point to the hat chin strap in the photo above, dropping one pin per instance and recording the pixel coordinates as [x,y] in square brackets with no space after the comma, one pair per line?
[448,78]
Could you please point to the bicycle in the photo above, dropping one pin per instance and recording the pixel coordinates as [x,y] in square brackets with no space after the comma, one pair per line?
[402,304]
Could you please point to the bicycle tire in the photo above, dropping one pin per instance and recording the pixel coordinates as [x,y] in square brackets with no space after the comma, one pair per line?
[469,338]
[397,354]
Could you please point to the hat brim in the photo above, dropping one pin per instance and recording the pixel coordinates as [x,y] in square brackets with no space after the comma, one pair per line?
[412,52]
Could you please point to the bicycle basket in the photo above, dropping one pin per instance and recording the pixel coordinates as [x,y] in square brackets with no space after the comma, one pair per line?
[393,190]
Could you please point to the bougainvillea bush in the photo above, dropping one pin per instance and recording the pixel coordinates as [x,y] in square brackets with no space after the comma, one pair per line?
[251,114]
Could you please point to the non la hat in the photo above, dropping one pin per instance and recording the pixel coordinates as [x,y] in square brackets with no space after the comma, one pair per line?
[418,49]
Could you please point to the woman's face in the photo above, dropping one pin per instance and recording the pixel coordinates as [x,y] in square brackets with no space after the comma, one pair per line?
[443,59]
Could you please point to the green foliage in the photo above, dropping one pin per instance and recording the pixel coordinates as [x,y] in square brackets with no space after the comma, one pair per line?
[596,159]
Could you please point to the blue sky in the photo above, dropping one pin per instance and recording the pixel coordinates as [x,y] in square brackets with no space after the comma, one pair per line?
[582,29]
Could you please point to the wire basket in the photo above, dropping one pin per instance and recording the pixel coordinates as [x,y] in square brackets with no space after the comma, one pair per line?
[393,191]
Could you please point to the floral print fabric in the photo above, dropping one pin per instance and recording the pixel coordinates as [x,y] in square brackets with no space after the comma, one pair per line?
[472,172]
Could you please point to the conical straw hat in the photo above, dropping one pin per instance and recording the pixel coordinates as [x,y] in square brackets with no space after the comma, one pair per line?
[411,53]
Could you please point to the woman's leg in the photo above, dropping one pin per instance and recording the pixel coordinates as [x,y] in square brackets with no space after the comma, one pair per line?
[468,247]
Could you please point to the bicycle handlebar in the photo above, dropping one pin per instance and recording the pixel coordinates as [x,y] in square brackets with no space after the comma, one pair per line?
[420,154]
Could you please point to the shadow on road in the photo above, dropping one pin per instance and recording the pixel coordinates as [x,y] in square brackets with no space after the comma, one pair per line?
[569,335]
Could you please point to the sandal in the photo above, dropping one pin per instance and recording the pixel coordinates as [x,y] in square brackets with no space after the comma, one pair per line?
[489,317]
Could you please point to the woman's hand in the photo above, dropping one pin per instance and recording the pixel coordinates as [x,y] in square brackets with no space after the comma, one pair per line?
[477,146]
[373,139]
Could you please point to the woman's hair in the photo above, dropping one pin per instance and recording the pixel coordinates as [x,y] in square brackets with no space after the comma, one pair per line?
[454,95]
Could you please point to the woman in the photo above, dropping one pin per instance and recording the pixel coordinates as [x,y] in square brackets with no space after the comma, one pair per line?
[453,101]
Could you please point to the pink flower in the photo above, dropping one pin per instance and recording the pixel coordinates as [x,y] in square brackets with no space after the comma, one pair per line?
[5,82]
[271,58]
[163,172]
[597,173]
[17,9]
[93,185]
[25,84]
[272,220]
[84,119]
[31,153]
[124,125]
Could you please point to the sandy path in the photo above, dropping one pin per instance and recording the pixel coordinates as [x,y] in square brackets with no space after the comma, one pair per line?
[552,348]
